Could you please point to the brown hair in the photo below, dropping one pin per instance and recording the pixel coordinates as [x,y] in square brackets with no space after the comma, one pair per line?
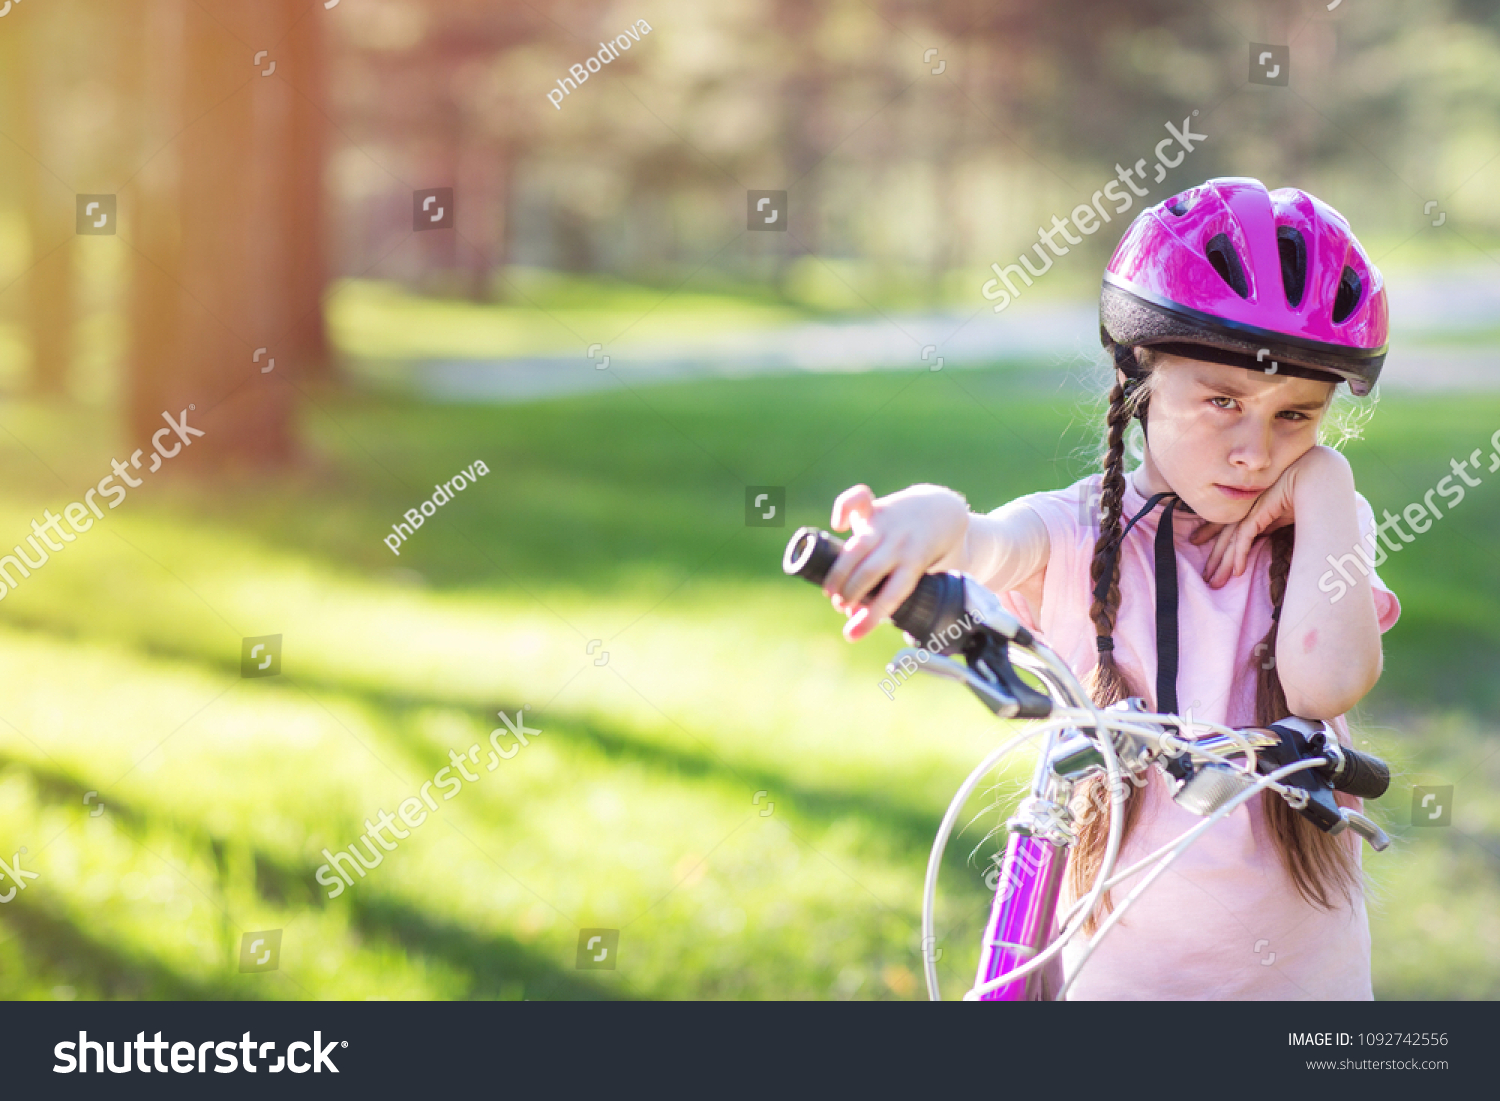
[1321,867]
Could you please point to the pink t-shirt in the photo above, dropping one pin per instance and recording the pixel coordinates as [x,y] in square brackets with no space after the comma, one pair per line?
[1225,921]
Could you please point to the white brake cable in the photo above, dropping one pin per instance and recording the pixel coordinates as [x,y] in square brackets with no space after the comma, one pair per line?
[1181,846]
[1054,669]
[1146,861]
[1060,718]
[1077,915]
[1111,854]
[1141,721]
[945,830]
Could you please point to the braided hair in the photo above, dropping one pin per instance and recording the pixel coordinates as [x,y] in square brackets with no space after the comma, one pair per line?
[1321,867]
[1108,683]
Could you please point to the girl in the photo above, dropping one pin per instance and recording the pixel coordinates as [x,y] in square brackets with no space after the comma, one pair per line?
[1232,314]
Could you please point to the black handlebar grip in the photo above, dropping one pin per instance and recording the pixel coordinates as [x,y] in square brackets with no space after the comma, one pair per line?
[936,602]
[1363,776]
[811,554]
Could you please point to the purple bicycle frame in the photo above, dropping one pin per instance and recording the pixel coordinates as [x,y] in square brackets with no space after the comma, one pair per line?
[1022,915]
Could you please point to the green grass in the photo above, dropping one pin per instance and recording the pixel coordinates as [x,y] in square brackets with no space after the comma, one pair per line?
[617,517]
[373,320]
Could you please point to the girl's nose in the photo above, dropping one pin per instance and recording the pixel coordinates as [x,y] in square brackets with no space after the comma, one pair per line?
[1251,447]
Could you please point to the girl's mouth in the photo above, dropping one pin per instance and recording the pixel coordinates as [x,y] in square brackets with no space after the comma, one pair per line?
[1238,494]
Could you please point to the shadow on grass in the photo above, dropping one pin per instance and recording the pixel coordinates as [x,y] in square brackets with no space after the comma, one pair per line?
[493,963]
[909,828]
[54,942]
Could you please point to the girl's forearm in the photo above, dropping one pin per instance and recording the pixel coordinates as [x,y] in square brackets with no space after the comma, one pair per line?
[1328,646]
[1003,548]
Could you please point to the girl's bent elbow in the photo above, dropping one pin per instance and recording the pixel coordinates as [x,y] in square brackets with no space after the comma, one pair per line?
[1319,707]
[1331,696]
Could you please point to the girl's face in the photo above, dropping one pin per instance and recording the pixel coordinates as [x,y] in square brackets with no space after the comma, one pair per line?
[1219,436]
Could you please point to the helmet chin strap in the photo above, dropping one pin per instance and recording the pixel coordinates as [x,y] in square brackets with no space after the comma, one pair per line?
[1181,505]
[1166,598]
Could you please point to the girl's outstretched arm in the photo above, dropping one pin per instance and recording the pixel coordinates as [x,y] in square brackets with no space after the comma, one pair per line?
[1007,548]
[916,531]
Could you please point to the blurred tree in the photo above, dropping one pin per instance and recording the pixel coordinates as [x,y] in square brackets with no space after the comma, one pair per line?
[229,219]
[305,196]
[433,116]
[47,209]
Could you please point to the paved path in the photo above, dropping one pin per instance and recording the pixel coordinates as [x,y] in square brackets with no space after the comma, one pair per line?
[1056,337]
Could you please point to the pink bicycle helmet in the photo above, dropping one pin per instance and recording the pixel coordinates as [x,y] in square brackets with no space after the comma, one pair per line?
[1232,273]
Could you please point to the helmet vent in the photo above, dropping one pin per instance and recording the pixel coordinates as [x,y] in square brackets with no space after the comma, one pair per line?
[1178,206]
[1348,296]
[1293,263]
[1226,262]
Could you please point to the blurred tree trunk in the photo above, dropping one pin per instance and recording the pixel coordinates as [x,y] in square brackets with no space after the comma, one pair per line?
[481,226]
[228,217]
[305,198]
[439,153]
[154,356]
[801,86]
[48,210]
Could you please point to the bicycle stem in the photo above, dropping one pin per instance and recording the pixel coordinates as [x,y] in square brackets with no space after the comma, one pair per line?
[1039,834]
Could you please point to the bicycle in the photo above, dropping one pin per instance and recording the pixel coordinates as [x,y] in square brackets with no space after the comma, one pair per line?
[1213,770]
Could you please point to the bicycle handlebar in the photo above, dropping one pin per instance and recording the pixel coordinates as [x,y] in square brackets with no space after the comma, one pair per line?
[953,613]
[957,615]
[934,608]
[1301,760]
[1356,773]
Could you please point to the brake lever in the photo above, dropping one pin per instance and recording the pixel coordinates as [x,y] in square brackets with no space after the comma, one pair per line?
[1352,819]
[991,695]
[1321,809]
[988,651]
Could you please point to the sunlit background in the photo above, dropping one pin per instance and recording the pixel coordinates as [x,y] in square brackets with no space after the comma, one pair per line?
[718,776]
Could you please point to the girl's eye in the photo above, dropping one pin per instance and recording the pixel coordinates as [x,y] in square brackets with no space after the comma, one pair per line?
[1294,415]
[1214,401]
